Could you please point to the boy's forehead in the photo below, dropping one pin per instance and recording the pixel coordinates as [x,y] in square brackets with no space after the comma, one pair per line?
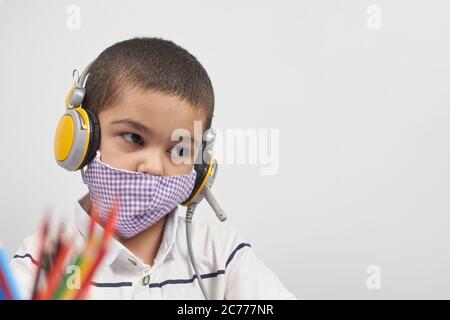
[154,112]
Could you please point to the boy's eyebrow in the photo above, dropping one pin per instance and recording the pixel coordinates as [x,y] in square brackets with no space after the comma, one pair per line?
[131,123]
[138,126]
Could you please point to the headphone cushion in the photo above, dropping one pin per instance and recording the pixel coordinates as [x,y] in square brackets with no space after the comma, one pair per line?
[94,141]
[201,170]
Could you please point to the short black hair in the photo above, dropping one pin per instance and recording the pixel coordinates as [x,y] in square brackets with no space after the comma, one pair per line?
[148,63]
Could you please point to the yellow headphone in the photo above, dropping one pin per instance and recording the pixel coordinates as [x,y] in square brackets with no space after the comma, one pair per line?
[77,136]
[77,140]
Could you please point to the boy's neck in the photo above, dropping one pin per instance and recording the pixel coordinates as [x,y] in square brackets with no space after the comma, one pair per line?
[144,245]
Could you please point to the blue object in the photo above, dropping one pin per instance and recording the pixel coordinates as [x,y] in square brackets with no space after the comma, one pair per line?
[4,266]
[2,295]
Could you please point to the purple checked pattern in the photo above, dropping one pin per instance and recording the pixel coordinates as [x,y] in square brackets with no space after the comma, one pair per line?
[144,198]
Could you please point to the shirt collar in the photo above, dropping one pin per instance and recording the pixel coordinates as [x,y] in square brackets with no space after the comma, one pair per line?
[117,249]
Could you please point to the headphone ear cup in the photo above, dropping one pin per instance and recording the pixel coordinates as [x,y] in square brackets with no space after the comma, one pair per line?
[203,171]
[202,174]
[95,136]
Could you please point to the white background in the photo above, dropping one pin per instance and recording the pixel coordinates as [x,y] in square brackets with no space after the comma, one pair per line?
[363,116]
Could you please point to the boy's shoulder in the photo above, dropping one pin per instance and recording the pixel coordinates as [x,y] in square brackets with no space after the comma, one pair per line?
[29,248]
[215,230]
[211,235]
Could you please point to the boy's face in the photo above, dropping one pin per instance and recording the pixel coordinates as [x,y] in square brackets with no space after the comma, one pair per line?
[136,133]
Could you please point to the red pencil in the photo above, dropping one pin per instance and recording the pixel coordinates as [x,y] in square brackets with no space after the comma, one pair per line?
[57,272]
[112,220]
[95,219]
[4,286]
[44,232]
[82,294]
[109,231]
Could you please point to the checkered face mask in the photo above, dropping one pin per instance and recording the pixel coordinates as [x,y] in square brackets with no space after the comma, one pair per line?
[144,198]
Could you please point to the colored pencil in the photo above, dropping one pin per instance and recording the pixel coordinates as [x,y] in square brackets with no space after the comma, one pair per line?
[2,294]
[6,292]
[95,219]
[53,257]
[92,255]
[57,272]
[43,237]
[109,231]
[10,288]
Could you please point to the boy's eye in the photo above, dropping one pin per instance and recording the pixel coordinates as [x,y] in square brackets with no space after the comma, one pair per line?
[133,138]
[180,152]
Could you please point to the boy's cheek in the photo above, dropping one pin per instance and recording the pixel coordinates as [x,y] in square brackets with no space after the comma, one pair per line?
[111,153]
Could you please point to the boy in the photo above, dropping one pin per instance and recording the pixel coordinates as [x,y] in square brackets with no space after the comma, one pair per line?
[142,90]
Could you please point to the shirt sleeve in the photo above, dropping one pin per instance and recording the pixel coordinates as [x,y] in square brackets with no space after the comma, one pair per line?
[249,278]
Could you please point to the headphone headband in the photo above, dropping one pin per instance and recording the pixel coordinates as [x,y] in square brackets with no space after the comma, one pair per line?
[84,75]
[77,96]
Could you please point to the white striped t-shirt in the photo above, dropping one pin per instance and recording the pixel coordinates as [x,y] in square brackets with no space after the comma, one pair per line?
[227,263]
